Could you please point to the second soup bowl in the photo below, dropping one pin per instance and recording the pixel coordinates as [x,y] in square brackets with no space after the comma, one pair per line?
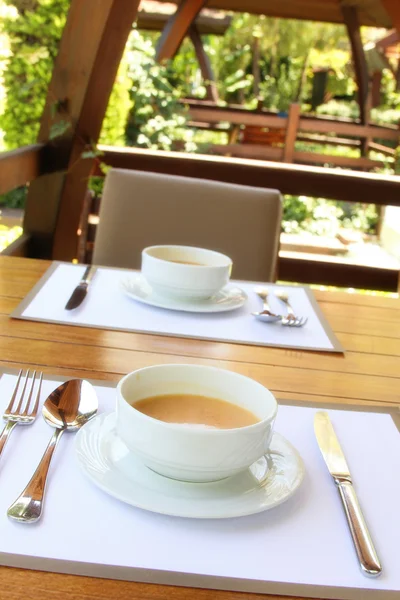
[185,271]
[190,453]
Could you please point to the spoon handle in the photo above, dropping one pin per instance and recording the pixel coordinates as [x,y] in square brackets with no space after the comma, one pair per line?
[28,507]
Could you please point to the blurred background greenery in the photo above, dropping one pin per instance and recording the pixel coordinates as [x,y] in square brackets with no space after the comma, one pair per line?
[145,107]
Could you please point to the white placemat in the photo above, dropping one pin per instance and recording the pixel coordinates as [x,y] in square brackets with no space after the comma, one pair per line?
[302,547]
[107,306]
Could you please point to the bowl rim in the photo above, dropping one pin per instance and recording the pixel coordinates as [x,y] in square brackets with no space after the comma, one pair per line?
[228,260]
[177,426]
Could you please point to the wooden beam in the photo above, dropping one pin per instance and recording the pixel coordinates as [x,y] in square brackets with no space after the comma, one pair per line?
[177,28]
[255,65]
[350,16]
[392,7]
[291,132]
[204,64]
[383,149]
[325,140]
[341,274]
[350,129]
[19,167]
[264,152]
[24,165]
[369,188]
[314,158]
[206,25]
[235,116]
[91,48]
[200,111]
[376,88]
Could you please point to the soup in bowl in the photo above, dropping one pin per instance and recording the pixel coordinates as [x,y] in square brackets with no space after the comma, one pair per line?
[194,423]
[185,271]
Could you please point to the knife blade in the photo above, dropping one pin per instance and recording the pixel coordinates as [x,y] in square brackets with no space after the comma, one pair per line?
[79,293]
[338,468]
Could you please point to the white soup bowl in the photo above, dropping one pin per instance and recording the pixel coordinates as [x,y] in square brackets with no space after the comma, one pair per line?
[208,274]
[187,452]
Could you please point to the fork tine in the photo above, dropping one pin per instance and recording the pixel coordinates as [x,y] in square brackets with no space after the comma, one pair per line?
[19,406]
[10,404]
[35,407]
[25,413]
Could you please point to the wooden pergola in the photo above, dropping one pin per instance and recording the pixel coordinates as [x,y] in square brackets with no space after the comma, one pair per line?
[90,51]
[154,16]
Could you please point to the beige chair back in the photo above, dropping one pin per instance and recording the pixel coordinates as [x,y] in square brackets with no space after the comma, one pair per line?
[140,209]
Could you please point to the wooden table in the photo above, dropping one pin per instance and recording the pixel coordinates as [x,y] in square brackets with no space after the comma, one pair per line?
[369,374]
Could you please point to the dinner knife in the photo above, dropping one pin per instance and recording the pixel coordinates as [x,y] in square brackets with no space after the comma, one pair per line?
[338,468]
[79,293]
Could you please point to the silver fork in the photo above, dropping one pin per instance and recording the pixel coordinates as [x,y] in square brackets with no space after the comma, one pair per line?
[17,416]
[290,320]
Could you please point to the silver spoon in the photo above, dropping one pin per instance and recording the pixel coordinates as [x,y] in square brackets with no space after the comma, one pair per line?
[69,407]
[265,314]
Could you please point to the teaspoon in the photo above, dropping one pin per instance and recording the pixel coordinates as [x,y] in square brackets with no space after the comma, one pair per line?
[265,314]
[69,407]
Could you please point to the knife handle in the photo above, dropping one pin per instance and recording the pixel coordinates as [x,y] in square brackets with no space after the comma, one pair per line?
[88,274]
[366,553]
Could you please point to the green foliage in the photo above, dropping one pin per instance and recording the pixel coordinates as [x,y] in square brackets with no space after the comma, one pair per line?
[335,108]
[14,199]
[34,32]
[324,217]
[114,124]
[288,50]
[157,119]
[8,235]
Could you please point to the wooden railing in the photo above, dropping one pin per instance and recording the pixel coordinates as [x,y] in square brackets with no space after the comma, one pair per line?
[208,112]
[20,166]
[349,186]
[24,165]
[27,164]
[253,141]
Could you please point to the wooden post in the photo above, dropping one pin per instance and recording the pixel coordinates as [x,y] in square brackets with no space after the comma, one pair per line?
[303,77]
[376,88]
[91,48]
[177,28]
[291,132]
[204,64]
[392,7]
[320,79]
[350,17]
[255,65]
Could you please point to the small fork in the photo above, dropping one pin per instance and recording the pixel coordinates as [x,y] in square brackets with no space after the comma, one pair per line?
[290,320]
[19,416]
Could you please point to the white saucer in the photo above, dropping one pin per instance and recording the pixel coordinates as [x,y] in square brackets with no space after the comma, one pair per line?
[228,298]
[112,467]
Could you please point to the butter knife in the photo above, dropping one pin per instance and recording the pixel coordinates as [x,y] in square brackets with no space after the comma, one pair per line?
[79,293]
[338,468]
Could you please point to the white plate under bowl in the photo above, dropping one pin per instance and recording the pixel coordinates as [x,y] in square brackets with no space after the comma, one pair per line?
[108,463]
[229,298]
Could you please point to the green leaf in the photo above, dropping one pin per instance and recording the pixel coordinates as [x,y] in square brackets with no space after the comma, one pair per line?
[58,129]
